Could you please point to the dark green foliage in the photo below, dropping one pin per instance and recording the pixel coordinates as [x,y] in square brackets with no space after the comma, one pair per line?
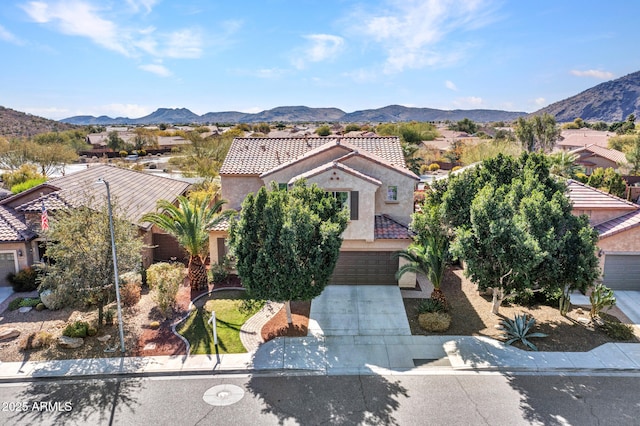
[608,180]
[286,243]
[219,273]
[430,305]
[525,297]
[76,329]
[323,130]
[24,302]
[24,280]
[464,125]
[618,330]
[539,132]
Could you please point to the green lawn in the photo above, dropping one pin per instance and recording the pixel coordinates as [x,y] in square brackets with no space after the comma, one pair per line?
[231,312]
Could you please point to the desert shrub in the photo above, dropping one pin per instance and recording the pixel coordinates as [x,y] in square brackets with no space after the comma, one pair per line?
[456,168]
[524,297]
[92,331]
[23,186]
[108,316]
[165,279]
[40,307]
[519,329]
[24,280]
[154,324]
[131,277]
[123,153]
[581,177]
[618,330]
[430,305]
[435,321]
[76,329]
[219,272]
[130,293]
[424,169]
[601,298]
[37,340]
[549,297]
[433,167]
[29,302]
[15,303]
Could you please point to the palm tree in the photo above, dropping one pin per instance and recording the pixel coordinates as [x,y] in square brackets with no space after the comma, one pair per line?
[564,164]
[189,223]
[429,260]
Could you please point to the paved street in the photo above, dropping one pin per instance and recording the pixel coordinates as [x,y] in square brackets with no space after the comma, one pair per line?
[439,399]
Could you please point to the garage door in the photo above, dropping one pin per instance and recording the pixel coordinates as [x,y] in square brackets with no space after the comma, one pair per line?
[622,272]
[7,265]
[365,268]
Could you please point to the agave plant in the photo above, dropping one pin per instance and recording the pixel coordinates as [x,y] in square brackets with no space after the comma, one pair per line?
[519,329]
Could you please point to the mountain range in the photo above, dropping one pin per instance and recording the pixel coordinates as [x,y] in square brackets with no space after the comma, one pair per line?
[609,101]
[292,114]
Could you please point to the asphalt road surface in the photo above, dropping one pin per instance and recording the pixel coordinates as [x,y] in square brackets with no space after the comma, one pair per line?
[439,399]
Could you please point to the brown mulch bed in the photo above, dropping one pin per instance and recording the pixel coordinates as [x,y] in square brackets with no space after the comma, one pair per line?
[471,316]
[278,326]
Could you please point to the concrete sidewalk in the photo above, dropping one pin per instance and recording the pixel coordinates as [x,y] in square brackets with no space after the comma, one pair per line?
[347,355]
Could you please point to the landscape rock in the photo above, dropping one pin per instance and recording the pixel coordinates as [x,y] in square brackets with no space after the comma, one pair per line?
[105,338]
[9,333]
[50,300]
[25,309]
[70,342]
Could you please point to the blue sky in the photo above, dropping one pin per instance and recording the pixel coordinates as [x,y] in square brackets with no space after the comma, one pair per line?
[62,58]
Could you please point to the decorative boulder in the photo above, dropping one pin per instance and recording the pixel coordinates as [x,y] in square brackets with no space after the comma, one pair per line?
[50,300]
[70,342]
[9,333]
[105,338]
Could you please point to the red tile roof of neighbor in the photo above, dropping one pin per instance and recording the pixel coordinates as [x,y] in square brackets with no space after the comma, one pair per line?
[584,197]
[386,228]
[135,193]
[619,224]
[254,156]
[12,228]
[610,154]
[584,137]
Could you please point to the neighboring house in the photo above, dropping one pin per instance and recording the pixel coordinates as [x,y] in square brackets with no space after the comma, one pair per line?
[135,192]
[367,174]
[593,156]
[618,223]
[580,138]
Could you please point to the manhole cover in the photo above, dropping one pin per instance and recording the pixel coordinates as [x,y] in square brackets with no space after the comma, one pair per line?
[223,395]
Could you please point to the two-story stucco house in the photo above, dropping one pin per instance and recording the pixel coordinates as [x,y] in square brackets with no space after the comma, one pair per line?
[367,174]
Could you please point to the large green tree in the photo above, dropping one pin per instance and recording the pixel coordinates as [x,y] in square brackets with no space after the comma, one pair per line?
[514,227]
[539,132]
[81,270]
[286,243]
[189,222]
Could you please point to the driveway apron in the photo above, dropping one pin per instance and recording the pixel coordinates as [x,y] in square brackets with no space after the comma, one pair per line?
[362,310]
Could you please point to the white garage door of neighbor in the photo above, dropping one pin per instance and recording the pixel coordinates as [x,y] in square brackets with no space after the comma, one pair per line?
[7,265]
[622,272]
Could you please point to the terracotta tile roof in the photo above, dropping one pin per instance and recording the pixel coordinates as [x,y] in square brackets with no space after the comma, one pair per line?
[386,228]
[619,224]
[335,165]
[135,192]
[584,197]
[254,156]
[223,225]
[13,227]
[52,202]
[584,137]
[610,154]
[379,161]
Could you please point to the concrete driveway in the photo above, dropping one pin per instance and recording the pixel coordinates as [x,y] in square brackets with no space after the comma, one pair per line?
[629,304]
[362,310]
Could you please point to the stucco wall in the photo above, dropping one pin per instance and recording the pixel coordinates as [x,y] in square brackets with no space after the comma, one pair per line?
[338,180]
[626,242]
[236,188]
[401,210]
[598,216]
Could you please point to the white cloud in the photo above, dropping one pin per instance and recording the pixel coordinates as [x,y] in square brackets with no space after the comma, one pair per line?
[78,18]
[157,69]
[411,31]
[52,113]
[183,44]
[540,101]
[468,102]
[450,85]
[321,47]
[7,36]
[601,75]
[136,5]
